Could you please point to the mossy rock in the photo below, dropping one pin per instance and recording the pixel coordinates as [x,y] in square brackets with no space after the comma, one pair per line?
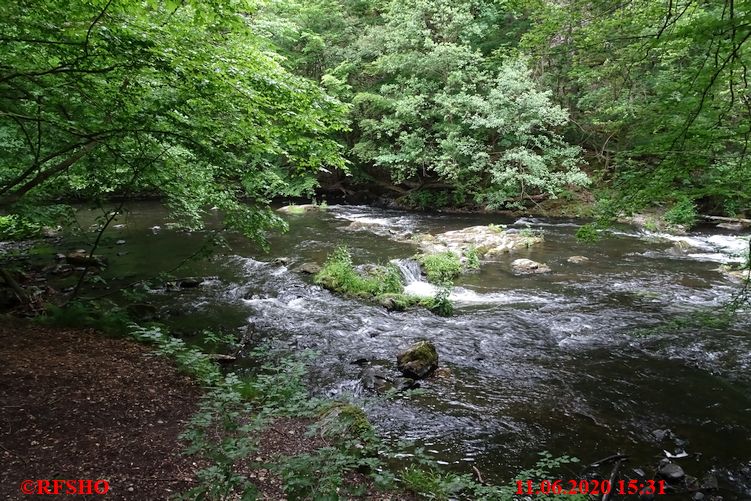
[418,361]
[344,420]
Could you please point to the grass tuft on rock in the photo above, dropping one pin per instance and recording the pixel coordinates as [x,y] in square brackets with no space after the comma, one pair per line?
[381,284]
[339,274]
[442,267]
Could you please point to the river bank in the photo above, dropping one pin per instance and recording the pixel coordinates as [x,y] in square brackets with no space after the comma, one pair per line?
[552,360]
[78,404]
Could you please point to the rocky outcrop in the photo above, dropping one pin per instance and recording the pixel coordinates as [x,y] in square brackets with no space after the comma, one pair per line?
[487,241]
[309,268]
[527,266]
[301,209]
[418,361]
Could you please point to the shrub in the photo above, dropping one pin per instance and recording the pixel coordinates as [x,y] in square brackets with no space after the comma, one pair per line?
[588,233]
[473,259]
[442,267]
[683,212]
[339,274]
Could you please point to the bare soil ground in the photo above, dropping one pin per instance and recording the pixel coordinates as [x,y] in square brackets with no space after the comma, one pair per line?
[77,405]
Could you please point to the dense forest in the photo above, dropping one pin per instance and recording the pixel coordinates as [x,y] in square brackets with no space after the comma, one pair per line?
[387,250]
[487,104]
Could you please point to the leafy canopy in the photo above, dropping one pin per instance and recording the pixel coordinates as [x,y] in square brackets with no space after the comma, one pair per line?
[182,99]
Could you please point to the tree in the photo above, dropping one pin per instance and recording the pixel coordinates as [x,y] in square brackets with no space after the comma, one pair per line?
[443,114]
[659,91]
[179,98]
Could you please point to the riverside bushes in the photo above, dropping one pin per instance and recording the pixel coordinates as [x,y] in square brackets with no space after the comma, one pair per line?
[442,267]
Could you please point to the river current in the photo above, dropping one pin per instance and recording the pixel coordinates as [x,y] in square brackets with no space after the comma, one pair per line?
[588,360]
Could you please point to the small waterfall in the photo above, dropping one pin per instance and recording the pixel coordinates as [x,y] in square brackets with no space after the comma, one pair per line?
[410,270]
[413,280]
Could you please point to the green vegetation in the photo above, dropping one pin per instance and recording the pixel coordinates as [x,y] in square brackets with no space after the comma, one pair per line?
[682,213]
[442,267]
[589,232]
[380,284]
[183,100]
[339,274]
[472,257]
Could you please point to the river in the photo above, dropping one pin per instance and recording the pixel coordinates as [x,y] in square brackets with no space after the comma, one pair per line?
[577,361]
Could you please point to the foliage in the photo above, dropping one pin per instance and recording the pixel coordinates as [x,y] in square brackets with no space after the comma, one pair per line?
[218,341]
[441,267]
[424,478]
[440,112]
[589,232]
[187,358]
[658,92]
[102,315]
[223,431]
[472,257]
[320,474]
[682,213]
[339,274]
[181,99]
[440,304]
[433,108]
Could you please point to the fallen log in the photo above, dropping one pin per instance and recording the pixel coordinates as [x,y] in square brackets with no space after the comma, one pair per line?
[727,219]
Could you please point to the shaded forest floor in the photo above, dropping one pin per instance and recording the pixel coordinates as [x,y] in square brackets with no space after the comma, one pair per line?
[79,405]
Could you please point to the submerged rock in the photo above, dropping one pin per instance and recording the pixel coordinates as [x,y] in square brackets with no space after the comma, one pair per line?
[406,383]
[309,268]
[142,311]
[525,266]
[733,226]
[190,282]
[487,241]
[418,361]
[578,260]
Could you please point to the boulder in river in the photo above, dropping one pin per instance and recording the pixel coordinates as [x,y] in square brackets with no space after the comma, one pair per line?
[190,282]
[578,260]
[671,472]
[487,241]
[309,268]
[526,266]
[418,361]
[81,257]
[300,209]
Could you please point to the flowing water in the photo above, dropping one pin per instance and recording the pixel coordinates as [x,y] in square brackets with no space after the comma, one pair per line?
[559,362]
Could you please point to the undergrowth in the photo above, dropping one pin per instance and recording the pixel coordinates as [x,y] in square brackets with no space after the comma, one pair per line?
[235,410]
[441,267]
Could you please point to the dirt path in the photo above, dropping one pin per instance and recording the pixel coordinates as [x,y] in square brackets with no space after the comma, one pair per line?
[76,405]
